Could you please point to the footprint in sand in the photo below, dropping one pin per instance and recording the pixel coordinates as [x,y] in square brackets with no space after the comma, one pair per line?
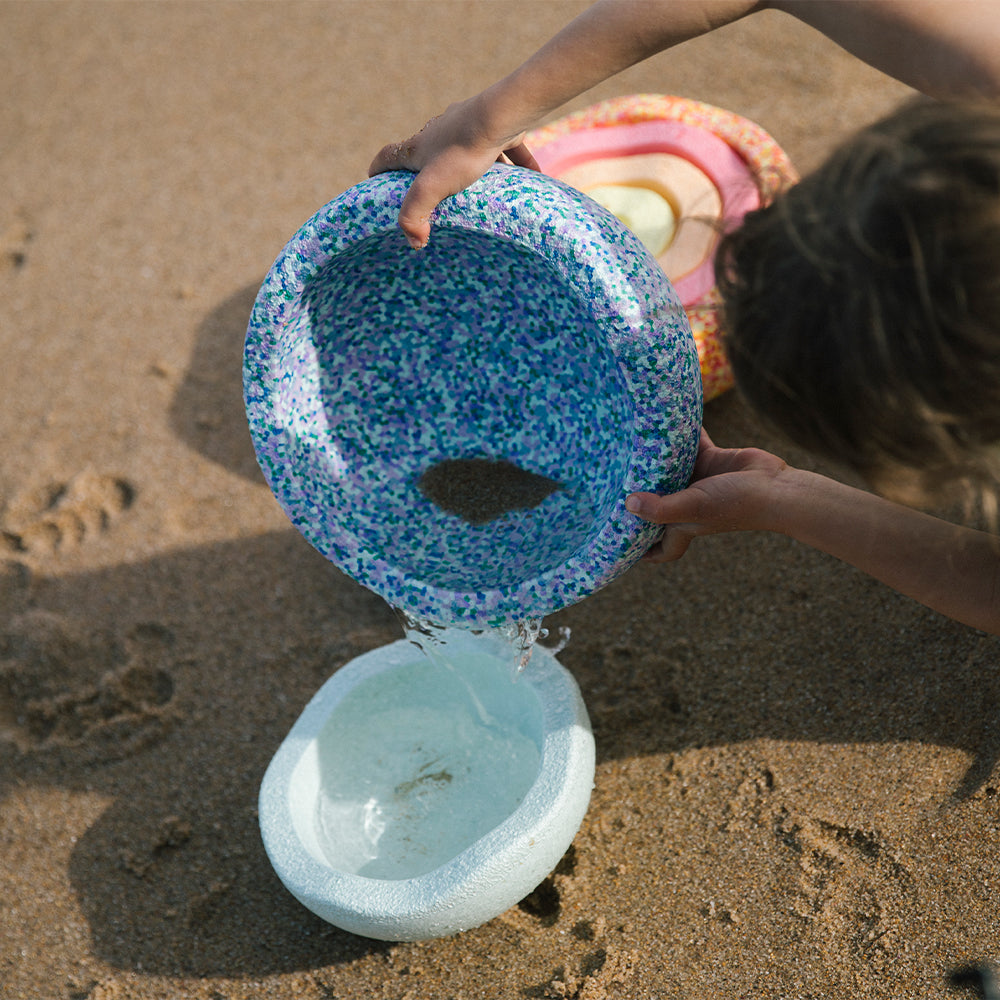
[852,884]
[67,683]
[598,975]
[62,515]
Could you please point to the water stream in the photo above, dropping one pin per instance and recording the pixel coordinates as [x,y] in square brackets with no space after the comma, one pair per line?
[516,640]
[421,761]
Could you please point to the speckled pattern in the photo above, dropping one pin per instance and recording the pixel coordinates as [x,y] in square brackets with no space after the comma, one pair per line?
[534,328]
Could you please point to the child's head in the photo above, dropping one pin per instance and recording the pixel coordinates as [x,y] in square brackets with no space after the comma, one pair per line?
[863,304]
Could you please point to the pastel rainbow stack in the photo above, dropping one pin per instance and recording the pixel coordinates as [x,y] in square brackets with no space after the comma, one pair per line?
[678,173]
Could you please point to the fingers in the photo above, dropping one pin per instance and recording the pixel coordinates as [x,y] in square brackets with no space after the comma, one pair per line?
[673,543]
[675,508]
[674,511]
[442,168]
[706,447]
[421,198]
[521,156]
[640,504]
[392,157]
[425,193]
[415,214]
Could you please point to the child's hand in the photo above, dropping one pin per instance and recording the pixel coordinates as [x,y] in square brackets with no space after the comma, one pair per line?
[448,154]
[729,491]
[948,567]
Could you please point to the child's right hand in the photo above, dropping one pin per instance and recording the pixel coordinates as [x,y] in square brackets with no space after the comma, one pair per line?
[731,489]
[949,567]
[448,154]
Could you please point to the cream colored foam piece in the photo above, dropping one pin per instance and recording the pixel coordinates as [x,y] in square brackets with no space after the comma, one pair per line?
[646,212]
[695,200]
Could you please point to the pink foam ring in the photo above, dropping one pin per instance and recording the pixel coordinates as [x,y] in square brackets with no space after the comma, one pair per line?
[713,156]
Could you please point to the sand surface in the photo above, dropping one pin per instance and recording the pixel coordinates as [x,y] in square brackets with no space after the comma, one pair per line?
[796,791]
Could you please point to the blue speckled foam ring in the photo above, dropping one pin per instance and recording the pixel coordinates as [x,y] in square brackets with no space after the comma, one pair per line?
[534,336]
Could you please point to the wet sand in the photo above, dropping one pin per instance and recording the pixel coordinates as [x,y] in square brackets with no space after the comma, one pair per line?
[796,790]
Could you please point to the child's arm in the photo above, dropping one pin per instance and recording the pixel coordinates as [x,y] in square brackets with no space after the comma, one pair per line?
[455,149]
[945,47]
[952,569]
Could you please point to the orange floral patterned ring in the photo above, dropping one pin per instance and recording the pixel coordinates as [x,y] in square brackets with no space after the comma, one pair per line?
[678,173]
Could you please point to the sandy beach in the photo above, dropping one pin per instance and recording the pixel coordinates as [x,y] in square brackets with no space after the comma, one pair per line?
[797,769]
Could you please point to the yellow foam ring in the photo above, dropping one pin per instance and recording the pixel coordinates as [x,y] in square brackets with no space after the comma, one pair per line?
[646,212]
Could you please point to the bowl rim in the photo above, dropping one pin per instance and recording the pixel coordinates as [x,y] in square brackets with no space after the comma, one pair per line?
[485,878]
[629,298]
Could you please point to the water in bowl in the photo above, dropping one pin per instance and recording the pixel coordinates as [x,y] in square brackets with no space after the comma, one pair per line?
[419,762]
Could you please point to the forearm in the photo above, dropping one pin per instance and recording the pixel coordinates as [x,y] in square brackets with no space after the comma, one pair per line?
[605,39]
[898,36]
[953,569]
[944,48]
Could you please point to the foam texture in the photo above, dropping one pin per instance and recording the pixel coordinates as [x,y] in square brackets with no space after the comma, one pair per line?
[535,330]
[501,864]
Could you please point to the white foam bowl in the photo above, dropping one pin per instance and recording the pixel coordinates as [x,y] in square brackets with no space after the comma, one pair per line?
[412,800]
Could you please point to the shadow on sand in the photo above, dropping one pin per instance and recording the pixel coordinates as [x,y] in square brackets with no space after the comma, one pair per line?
[173,704]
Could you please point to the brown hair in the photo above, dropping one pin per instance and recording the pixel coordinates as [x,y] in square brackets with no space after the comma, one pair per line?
[863,303]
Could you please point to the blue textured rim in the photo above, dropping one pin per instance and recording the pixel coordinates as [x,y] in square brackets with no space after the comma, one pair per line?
[630,300]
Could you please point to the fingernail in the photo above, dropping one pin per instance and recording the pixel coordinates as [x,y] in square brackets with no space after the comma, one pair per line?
[632,504]
[416,244]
